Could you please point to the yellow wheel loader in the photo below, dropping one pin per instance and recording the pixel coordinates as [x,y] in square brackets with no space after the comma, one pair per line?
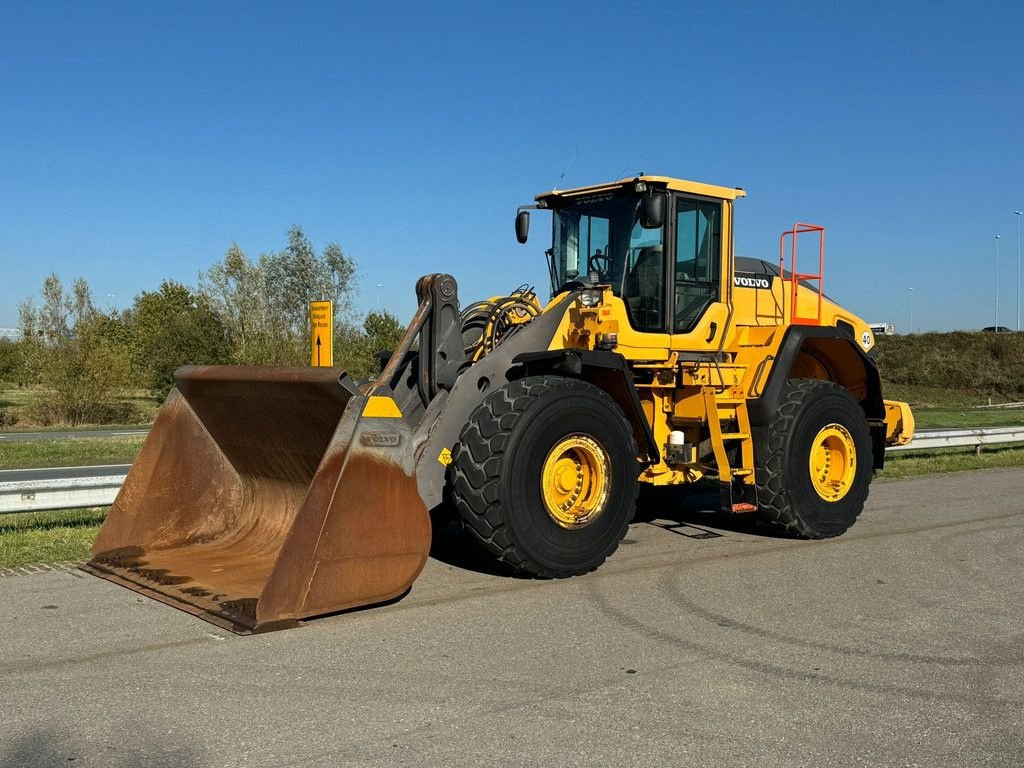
[263,496]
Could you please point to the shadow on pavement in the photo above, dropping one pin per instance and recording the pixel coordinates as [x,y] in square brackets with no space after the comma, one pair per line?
[692,513]
[137,749]
[679,508]
[452,546]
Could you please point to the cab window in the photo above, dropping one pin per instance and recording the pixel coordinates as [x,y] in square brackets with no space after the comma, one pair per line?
[600,240]
[698,260]
[643,284]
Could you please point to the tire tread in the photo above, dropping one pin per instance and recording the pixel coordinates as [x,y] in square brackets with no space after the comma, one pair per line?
[775,508]
[477,464]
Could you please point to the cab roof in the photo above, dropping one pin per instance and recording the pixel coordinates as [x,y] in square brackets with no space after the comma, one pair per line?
[659,182]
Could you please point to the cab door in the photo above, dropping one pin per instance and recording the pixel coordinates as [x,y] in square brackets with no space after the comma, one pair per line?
[697,287]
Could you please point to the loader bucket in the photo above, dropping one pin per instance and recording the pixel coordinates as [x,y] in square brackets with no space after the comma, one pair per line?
[265,495]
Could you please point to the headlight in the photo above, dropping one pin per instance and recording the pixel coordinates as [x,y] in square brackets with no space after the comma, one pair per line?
[590,297]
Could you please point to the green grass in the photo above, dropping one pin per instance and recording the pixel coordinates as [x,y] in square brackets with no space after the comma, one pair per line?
[48,537]
[934,397]
[69,453]
[903,465]
[932,418]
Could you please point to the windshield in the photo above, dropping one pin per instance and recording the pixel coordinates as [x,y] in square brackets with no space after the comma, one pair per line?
[600,236]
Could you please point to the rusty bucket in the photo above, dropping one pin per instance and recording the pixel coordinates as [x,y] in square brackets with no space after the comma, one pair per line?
[265,495]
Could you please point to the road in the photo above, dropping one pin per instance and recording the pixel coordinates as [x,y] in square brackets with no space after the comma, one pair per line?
[699,643]
[77,434]
[62,473]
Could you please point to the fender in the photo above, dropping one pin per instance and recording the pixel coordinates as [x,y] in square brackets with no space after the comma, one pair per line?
[610,372]
[825,343]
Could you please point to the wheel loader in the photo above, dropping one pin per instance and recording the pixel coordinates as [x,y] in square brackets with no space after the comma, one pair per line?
[263,496]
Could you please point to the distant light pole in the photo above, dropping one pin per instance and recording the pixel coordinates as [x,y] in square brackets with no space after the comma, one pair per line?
[996,303]
[911,310]
[378,296]
[1018,267]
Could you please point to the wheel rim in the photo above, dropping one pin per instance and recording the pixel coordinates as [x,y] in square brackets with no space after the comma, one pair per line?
[575,481]
[833,462]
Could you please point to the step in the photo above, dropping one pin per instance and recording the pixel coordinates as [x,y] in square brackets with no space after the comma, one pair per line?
[735,435]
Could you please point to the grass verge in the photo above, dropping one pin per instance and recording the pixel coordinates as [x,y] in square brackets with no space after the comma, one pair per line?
[48,537]
[928,418]
[69,453]
[941,461]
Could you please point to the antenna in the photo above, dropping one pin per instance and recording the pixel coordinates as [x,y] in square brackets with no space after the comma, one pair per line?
[567,167]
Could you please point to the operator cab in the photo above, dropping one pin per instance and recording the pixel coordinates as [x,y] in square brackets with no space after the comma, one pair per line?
[657,242]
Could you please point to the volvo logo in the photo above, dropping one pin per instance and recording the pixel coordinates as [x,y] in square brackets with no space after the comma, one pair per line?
[752,281]
[381,439]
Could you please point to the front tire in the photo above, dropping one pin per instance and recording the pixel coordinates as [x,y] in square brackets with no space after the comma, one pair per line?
[814,461]
[544,476]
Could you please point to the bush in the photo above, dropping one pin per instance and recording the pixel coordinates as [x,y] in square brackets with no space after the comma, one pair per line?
[75,356]
[10,361]
[82,380]
[170,328]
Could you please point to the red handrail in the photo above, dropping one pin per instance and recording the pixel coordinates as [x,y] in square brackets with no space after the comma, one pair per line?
[796,277]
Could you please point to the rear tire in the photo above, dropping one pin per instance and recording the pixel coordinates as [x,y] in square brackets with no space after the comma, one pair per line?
[544,476]
[813,461]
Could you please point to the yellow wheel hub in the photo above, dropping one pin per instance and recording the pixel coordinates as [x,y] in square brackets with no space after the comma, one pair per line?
[833,462]
[575,481]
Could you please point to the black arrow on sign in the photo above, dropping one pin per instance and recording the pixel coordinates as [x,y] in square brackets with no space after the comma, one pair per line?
[318,350]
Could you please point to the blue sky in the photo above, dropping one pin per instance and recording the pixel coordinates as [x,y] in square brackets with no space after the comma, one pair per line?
[138,140]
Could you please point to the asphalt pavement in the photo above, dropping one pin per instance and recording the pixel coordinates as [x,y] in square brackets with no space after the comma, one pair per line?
[700,643]
[75,434]
[62,473]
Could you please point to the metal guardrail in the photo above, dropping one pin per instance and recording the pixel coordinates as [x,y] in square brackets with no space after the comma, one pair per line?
[79,492]
[59,493]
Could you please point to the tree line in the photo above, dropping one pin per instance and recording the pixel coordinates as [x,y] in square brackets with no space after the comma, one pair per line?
[79,364]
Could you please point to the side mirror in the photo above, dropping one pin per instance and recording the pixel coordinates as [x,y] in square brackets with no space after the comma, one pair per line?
[522,226]
[652,211]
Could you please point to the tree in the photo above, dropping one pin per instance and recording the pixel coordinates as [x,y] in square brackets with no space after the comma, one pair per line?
[10,365]
[264,305]
[8,360]
[81,369]
[358,352]
[173,327]
[30,346]
[234,287]
[84,379]
[383,331]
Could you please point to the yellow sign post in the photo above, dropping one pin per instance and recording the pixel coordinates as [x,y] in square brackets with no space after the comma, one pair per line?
[321,323]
